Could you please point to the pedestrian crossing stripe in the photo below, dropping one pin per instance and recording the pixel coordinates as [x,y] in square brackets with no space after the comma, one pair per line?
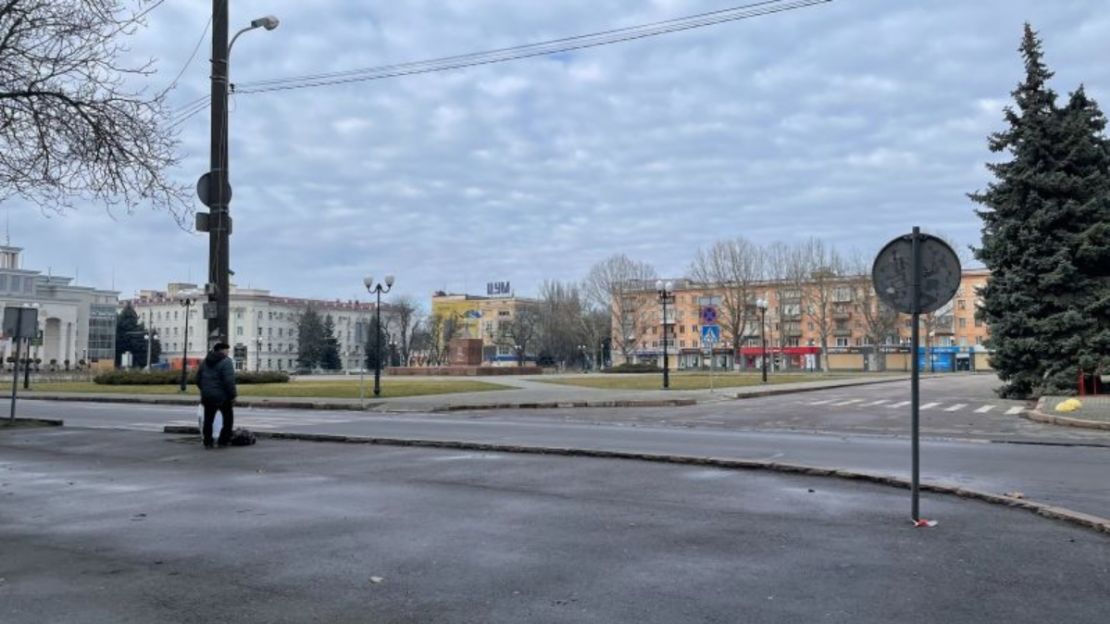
[955,407]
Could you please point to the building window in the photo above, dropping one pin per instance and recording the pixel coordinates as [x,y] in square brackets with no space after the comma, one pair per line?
[978,340]
[963,323]
[259,331]
[238,330]
[978,322]
[961,304]
[842,342]
[842,294]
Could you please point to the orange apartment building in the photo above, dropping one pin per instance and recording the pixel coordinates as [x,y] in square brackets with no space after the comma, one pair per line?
[843,311]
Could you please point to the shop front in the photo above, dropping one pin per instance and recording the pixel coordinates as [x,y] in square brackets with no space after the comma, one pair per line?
[780,358]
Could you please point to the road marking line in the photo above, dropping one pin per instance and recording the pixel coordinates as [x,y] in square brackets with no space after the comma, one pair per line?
[848,402]
[955,408]
[899,404]
[822,402]
[984,409]
[879,402]
[929,406]
[1015,410]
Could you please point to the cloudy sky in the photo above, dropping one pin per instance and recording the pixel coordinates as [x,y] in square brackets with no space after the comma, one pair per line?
[851,121]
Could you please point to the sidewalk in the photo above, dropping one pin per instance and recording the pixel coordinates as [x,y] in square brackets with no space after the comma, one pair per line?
[525,393]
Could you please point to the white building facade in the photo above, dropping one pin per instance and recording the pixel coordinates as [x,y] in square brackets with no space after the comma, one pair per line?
[263,326]
[77,323]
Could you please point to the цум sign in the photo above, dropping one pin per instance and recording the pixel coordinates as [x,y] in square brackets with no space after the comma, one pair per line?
[495,289]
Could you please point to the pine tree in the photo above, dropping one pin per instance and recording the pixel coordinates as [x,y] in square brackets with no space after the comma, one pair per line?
[130,337]
[373,357]
[329,354]
[1039,300]
[310,339]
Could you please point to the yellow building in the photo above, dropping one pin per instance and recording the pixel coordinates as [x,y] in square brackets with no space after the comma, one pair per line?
[502,323]
[832,323]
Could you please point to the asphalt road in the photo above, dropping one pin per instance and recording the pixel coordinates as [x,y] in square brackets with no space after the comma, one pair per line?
[851,435]
[118,526]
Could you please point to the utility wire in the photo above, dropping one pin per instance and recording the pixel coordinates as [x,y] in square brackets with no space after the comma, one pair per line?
[607,37]
[192,56]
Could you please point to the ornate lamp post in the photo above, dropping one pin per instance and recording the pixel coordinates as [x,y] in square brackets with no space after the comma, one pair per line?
[186,301]
[762,305]
[377,290]
[666,291]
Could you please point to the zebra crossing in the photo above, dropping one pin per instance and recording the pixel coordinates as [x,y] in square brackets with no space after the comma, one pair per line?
[940,406]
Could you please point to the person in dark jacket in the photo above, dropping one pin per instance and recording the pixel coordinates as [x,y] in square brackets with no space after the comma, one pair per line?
[216,380]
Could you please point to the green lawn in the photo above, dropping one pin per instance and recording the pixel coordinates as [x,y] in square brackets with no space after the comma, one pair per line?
[391,388]
[688,381]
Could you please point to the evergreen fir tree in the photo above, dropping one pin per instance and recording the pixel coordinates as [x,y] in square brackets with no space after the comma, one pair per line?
[130,332]
[1040,297]
[373,357]
[329,354]
[310,339]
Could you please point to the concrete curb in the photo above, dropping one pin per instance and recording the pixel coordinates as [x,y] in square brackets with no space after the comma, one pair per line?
[566,404]
[45,422]
[1037,414]
[1084,520]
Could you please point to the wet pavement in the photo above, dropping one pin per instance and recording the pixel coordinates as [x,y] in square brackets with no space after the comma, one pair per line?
[123,526]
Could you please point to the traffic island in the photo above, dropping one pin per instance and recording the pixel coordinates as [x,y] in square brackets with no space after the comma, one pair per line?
[1092,412]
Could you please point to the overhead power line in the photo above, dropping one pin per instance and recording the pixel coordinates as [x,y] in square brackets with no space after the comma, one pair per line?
[567,44]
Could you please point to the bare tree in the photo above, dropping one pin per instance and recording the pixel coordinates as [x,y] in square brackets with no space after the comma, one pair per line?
[735,269]
[442,329]
[624,288]
[70,124]
[405,318]
[880,321]
[520,331]
[560,314]
[787,269]
[826,277]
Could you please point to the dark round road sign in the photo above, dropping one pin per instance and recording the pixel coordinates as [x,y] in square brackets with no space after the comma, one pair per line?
[892,274]
[203,186]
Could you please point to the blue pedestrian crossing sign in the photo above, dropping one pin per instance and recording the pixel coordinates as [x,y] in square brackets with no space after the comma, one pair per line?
[710,335]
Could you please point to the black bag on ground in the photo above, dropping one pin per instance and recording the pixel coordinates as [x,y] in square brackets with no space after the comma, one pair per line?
[242,437]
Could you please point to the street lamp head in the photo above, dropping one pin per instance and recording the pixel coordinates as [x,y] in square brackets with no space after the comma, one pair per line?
[658,284]
[669,286]
[389,281]
[269,22]
[368,282]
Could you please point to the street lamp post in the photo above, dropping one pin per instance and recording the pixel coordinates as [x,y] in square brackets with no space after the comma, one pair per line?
[762,305]
[665,289]
[218,191]
[185,347]
[378,289]
[150,336]
[582,351]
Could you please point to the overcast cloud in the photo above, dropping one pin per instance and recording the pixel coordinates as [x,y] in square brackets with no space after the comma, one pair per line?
[851,121]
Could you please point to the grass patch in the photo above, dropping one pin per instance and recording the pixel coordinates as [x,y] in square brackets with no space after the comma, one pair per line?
[391,388]
[689,381]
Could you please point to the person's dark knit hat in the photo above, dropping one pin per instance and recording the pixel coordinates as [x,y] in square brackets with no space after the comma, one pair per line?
[221,346]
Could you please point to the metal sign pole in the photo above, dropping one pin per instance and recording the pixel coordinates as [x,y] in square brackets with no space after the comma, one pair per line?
[15,376]
[915,397]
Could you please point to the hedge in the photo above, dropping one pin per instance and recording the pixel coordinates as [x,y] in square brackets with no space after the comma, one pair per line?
[628,367]
[160,378]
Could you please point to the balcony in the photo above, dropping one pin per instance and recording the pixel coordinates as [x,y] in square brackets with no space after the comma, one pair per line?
[842,333]
[841,316]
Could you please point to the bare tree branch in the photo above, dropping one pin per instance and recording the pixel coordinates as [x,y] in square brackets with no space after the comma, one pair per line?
[72,125]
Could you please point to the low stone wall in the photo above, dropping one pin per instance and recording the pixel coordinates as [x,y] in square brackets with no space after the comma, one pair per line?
[462,371]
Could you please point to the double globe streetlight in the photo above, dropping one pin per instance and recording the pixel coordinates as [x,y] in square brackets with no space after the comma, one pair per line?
[377,290]
[666,291]
[761,304]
